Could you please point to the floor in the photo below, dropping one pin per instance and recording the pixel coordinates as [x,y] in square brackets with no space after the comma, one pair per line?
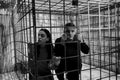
[96,74]
[85,75]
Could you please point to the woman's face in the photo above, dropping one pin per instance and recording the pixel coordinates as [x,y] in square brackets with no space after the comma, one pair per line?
[42,37]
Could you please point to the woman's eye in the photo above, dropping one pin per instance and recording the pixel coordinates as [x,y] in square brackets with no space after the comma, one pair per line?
[42,35]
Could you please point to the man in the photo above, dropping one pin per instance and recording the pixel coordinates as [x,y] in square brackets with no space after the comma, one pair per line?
[68,47]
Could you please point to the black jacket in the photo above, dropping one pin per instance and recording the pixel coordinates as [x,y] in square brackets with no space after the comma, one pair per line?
[70,52]
[70,48]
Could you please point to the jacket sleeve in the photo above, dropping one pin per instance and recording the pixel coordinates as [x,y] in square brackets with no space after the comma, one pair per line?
[84,48]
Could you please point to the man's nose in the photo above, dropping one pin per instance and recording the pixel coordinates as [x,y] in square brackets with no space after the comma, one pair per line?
[70,32]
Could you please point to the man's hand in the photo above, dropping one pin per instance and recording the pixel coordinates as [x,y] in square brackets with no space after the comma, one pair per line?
[56,60]
[80,37]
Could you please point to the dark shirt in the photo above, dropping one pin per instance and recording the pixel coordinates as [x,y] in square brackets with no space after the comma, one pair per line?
[70,52]
[70,48]
[43,55]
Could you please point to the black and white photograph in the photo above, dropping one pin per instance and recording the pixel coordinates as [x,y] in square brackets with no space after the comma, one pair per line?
[59,39]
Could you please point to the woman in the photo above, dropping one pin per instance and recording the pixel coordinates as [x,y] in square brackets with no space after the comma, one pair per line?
[44,49]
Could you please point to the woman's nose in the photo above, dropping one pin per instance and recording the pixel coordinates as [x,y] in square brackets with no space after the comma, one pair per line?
[39,37]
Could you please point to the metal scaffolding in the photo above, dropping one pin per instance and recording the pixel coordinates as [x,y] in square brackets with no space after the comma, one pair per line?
[96,20]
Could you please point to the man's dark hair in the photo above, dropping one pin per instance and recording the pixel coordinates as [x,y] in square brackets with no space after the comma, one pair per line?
[69,25]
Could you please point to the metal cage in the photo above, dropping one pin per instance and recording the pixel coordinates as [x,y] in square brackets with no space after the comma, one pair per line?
[97,21]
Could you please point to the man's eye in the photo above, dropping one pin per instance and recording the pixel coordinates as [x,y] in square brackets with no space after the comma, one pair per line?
[67,31]
[72,31]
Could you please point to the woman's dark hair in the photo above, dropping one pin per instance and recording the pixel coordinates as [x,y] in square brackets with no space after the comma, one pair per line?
[48,35]
[49,46]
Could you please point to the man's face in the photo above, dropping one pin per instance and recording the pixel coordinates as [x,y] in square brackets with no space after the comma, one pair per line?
[70,31]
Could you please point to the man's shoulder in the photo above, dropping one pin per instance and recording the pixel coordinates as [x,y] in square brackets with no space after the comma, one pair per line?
[58,39]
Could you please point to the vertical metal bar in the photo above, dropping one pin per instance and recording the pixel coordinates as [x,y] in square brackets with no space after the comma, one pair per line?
[112,37]
[89,38]
[30,32]
[34,34]
[77,16]
[50,16]
[29,21]
[64,27]
[64,11]
[34,19]
[14,35]
[10,39]
[109,34]
[27,36]
[50,20]
[2,46]
[104,51]
[30,28]
[93,43]
[104,23]
[78,55]
[23,36]
[100,38]
[26,26]
[118,35]
[116,38]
